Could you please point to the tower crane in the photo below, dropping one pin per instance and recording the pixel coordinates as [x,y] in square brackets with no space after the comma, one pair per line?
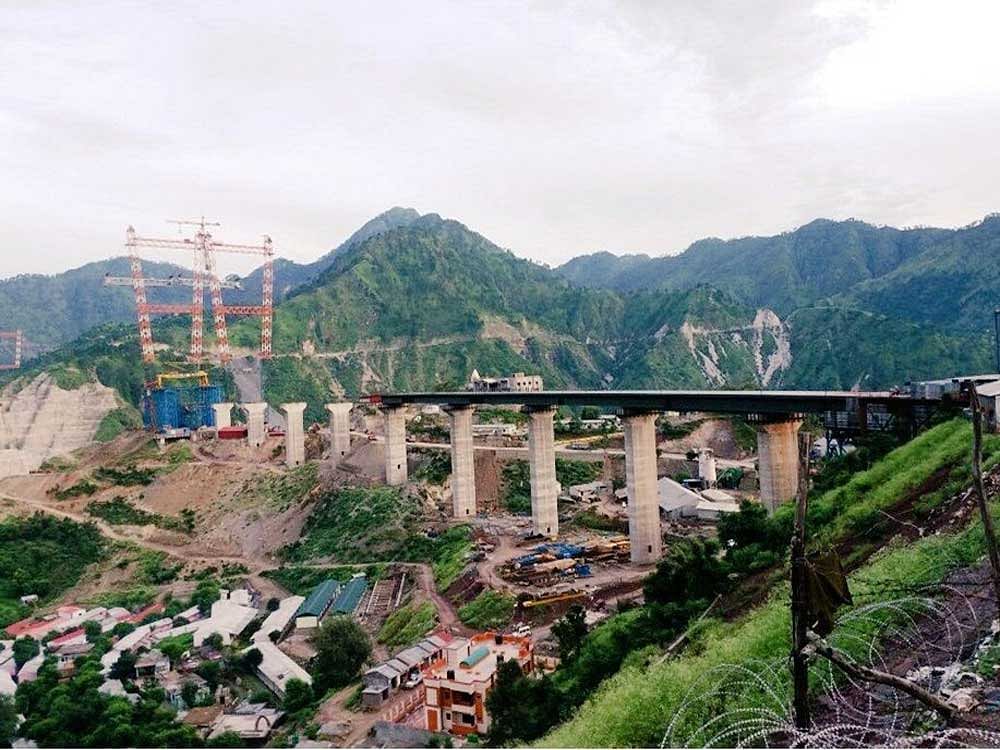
[203,248]
[18,338]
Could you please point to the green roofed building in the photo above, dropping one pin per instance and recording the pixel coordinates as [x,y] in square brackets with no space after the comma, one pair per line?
[317,604]
[350,595]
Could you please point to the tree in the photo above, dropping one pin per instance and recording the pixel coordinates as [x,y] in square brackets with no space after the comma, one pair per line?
[690,571]
[226,739]
[251,659]
[590,412]
[521,708]
[298,695]
[8,720]
[342,647]
[210,672]
[273,603]
[93,630]
[124,667]
[189,693]
[122,629]
[25,649]
[570,632]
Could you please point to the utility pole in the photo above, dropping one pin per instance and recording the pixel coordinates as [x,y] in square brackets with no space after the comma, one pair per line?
[800,598]
[996,334]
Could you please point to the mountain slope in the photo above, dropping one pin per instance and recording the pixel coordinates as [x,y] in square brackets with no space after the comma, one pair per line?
[76,300]
[794,269]
[421,305]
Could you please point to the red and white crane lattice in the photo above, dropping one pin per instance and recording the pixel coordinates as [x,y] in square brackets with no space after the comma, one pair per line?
[203,247]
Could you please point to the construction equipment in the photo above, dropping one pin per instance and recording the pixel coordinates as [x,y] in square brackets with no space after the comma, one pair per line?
[201,376]
[203,248]
[18,338]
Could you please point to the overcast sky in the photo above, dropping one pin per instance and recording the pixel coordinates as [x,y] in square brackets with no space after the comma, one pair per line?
[552,128]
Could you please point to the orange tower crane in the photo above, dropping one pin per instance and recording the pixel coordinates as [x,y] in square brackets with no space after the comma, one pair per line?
[203,247]
[18,339]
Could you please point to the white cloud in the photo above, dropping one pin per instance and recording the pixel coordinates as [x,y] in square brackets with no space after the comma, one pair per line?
[553,128]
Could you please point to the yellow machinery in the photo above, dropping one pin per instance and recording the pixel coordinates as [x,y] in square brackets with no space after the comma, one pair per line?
[201,376]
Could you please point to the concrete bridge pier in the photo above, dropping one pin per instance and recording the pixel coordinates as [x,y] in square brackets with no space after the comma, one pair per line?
[255,423]
[706,466]
[340,429]
[395,445]
[223,413]
[295,434]
[778,460]
[643,492]
[542,471]
[463,465]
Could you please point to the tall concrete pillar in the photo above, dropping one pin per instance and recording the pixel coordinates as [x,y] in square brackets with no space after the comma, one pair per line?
[295,434]
[463,471]
[340,429]
[255,423]
[223,414]
[542,471]
[706,466]
[395,445]
[643,492]
[778,461]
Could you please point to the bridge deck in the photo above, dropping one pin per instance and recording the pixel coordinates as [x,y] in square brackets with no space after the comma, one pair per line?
[731,402]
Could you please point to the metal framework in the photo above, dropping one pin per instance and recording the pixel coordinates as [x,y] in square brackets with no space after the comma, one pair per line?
[18,339]
[203,248]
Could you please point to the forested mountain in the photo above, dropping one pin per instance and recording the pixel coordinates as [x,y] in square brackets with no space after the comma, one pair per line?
[419,302]
[940,276]
[422,305]
[55,309]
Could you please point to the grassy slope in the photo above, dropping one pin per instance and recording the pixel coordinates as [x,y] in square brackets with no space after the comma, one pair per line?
[633,707]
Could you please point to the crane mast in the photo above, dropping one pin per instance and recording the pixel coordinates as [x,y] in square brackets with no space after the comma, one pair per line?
[202,248]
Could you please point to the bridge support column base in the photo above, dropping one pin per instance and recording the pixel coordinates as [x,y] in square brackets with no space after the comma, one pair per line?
[542,471]
[295,435]
[643,492]
[395,446]
[463,464]
[255,423]
[778,461]
[340,430]
[223,413]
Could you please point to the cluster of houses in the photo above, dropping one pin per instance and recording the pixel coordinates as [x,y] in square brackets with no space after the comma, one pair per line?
[454,674]
[229,617]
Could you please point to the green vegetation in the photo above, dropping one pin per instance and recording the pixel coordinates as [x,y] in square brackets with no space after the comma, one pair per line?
[74,713]
[69,378]
[44,556]
[590,519]
[489,610]
[516,493]
[121,512]
[280,491]
[435,468]
[83,487]
[356,524]
[116,422]
[408,625]
[154,569]
[129,476]
[499,415]
[342,648]
[301,581]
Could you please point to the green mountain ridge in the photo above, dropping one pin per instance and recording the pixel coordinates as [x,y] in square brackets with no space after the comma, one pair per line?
[422,304]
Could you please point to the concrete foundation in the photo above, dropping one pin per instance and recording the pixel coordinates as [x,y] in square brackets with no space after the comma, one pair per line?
[340,429]
[643,493]
[778,462]
[395,446]
[295,434]
[223,414]
[542,469]
[256,434]
[706,466]
[463,473]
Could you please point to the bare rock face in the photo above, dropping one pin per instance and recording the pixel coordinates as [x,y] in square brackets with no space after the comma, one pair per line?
[39,420]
